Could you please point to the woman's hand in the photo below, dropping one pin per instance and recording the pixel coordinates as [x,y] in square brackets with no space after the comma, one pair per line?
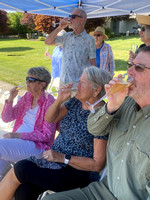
[13,94]
[131,56]
[54,156]
[64,93]
[12,135]
[115,100]
[48,54]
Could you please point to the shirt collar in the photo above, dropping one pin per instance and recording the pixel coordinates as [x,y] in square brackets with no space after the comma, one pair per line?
[146,110]
[82,33]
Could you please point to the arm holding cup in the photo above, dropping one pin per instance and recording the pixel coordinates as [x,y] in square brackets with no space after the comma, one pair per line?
[115,100]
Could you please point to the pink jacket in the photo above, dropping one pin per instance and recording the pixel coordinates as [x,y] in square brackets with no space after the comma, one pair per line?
[44,132]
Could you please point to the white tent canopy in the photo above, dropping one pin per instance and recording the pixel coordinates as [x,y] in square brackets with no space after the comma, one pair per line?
[93,8]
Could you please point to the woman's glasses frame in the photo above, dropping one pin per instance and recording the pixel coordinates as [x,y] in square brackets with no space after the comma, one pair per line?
[32,80]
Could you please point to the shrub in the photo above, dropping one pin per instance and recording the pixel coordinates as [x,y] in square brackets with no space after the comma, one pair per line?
[109,32]
[42,38]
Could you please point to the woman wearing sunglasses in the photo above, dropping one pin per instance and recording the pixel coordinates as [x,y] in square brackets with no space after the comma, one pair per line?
[144,34]
[31,134]
[104,54]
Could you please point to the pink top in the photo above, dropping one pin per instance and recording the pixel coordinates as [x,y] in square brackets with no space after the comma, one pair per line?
[44,132]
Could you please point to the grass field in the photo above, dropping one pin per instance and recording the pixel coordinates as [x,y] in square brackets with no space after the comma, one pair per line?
[18,55]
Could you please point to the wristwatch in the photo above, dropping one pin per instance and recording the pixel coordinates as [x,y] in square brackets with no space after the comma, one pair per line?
[67,158]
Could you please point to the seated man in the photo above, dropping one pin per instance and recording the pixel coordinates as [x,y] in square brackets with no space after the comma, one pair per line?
[127,120]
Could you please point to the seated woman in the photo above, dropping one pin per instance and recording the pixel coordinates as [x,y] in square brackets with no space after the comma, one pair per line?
[76,157]
[31,135]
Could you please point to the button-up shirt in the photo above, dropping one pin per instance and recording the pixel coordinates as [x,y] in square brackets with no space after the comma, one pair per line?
[77,50]
[128,150]
[105,59]
[44,132]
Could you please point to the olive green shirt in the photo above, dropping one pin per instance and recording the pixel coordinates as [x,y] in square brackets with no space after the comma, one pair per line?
[128,149]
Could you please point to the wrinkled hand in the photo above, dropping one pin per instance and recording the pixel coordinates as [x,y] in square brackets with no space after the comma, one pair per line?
[48,54]
[53,156]
[131,56]
[12,135]
[64,92]
[13,94]
[115,100]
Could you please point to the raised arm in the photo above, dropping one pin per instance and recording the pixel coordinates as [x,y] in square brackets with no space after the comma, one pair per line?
[58,110]
[50,39]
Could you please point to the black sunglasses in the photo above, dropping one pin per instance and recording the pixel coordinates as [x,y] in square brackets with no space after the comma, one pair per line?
[98,35]
[138,67]
[74,16]
[32,80]
[142,29]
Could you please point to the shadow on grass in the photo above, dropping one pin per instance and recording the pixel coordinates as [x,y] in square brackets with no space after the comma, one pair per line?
[125,38]
[121,65]
[12,49]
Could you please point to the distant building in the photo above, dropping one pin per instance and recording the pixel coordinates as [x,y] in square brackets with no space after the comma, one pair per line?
[129,26]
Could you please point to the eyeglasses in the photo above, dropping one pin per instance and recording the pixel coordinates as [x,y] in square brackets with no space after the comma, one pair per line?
[74,16]
[32,80]
[97,35]
[143,29]
[138,67]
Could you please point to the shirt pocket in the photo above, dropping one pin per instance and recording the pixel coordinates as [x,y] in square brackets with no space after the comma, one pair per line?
[117,138]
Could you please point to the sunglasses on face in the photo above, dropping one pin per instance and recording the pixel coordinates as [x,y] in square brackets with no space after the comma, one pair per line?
[97,35]
[142,29]
[32,80]
[74,16]
[138,67]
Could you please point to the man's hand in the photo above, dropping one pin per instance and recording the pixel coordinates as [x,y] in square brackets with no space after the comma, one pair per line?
[115,100]
[63,23]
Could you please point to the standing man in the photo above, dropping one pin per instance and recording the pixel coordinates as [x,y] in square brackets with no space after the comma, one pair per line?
[78,47]
[127,120]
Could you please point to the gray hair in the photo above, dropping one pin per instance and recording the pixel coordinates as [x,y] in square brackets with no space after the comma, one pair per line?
[82,13]
[144,49]
[40,73]
[98,77]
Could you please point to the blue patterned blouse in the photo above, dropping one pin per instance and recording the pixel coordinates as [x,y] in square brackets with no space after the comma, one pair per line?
[74,138]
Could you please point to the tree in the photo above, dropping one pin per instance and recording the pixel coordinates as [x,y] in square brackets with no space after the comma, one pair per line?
[15,22]
[91,24]
[3,22]
[28,21]
[44,23]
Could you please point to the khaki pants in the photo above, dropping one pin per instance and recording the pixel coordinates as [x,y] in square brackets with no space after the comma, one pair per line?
[94,191]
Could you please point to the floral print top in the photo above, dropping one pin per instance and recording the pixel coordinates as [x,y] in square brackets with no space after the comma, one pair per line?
[74,138]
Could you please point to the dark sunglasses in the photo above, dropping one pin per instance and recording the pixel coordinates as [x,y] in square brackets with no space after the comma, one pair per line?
[98,35]
[142,29]
[138,67]
[32,80]
[74,16]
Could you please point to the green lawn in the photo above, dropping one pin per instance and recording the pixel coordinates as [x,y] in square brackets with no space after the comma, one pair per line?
[18,55]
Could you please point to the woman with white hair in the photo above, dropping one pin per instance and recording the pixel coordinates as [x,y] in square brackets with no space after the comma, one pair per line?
[31,134]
